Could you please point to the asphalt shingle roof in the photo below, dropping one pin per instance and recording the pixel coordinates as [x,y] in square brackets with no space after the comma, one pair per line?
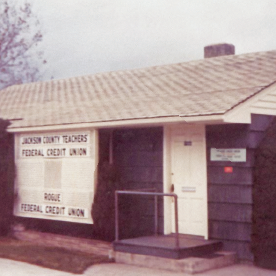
[203,87]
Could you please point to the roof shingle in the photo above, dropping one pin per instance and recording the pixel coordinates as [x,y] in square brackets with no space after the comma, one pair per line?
[203,87]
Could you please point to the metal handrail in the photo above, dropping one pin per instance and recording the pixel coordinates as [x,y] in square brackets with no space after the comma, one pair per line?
[117,193]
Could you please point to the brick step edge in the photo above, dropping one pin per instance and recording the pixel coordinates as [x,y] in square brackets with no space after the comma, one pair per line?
[67,242]
[191,265]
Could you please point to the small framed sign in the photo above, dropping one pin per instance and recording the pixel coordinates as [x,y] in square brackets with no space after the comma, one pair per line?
[187,143]
[233,155]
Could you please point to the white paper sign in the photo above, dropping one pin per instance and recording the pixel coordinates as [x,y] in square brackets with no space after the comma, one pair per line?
[55,145]
[53,210]
[55,175]
[233,155]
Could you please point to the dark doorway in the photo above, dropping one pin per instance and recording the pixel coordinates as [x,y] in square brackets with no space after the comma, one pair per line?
[135,160]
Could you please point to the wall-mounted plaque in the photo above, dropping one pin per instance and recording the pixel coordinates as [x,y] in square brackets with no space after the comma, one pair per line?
[233,155]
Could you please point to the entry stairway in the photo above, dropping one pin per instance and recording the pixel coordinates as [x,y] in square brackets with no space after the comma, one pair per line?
[175,252]
[193,255]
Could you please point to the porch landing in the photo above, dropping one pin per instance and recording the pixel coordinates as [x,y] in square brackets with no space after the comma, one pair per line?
[164,246]
[193,256]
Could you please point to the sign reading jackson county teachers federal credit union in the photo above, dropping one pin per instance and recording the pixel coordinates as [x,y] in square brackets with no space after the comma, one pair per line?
[57,145]
[55,175]
[233,155]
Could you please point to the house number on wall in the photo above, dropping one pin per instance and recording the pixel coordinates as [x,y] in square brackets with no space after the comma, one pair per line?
[187,143]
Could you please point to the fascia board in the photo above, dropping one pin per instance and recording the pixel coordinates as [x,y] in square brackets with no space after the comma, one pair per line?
[208,119]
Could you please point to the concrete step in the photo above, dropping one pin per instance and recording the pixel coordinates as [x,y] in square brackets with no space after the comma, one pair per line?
[191,265]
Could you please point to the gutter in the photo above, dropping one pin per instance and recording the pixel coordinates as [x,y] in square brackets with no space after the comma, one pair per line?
[141,122]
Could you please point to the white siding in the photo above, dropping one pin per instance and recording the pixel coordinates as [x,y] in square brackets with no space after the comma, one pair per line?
[266,103]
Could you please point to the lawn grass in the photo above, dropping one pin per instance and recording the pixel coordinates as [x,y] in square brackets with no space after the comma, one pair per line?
[50,257]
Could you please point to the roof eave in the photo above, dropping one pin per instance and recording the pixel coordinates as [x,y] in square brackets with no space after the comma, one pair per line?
[138,122]
[238,116]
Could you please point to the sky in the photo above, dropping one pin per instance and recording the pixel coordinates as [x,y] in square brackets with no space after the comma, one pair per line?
[82,37]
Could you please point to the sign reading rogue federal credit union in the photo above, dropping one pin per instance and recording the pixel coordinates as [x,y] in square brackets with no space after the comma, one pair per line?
[56,175]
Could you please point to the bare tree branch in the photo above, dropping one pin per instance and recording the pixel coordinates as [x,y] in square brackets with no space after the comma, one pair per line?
[19,35]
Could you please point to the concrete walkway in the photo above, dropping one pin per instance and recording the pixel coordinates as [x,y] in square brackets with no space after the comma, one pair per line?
[126,270]
[9,268]
[12,268]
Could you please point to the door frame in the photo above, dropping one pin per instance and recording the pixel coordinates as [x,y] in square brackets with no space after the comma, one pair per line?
[167,181]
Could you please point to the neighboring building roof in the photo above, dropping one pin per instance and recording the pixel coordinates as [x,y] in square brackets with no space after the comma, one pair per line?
[205,87]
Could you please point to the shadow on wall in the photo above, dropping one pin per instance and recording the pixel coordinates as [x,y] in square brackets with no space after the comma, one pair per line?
[264,195]
[7,175]
[103,208]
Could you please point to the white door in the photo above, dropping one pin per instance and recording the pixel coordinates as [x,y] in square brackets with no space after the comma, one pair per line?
[189,180]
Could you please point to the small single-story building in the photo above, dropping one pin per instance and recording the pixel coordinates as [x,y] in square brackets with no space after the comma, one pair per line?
[198,129]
